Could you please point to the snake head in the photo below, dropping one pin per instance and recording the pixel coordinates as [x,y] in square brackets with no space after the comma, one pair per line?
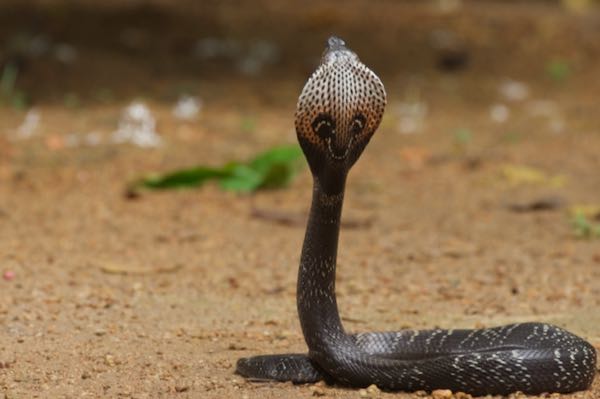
[338,111]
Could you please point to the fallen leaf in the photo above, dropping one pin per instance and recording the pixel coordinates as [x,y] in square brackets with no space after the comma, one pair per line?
[578,6]
[591,211]
[126,269]
[539,204]
[272,169]
[517,175]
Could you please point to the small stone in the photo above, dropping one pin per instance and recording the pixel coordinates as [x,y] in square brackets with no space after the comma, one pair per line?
[421,393]
[317,390]
[85,375]
[187,108]
[363,393]
[236,383]
[182,388]
[513,90]
[441,394]
[373,390]
[499,113]
[109,360]
[8,275]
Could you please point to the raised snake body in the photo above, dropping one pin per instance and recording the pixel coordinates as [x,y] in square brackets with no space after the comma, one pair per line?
[338,111]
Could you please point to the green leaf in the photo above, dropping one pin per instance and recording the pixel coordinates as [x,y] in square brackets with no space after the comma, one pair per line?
[277,155]
[278,175]
[583,227]
[192,177]
[241,178]
[8,79]
[463,136]
[272,169]
[248,125]
[278,166]
[19,100]
[558,70]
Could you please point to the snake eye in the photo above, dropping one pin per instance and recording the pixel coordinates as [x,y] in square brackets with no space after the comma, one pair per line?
[358,124]
[323,126]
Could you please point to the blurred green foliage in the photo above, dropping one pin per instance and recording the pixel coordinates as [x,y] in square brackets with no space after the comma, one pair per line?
[462,139]
[274,168]
[558,70]
[463,136]
[9,93]
[584,227]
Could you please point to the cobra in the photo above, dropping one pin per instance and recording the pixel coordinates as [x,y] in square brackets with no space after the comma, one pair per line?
[338,111]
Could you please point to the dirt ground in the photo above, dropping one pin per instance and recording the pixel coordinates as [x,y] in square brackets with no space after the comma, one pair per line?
[157,296]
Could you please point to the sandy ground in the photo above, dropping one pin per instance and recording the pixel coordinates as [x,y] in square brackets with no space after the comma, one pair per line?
[108,296]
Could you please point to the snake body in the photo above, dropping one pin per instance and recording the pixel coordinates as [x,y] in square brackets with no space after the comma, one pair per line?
[338,111]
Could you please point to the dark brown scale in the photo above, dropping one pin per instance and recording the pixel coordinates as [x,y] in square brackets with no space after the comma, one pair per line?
[528,357]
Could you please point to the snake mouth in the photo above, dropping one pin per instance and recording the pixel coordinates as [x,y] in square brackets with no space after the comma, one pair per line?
[334,154]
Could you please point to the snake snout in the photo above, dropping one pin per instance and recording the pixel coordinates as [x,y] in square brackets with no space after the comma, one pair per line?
[338,149]
[293,367]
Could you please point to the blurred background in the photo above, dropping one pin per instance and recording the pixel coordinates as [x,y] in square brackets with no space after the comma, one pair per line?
[477,202]
[509,59]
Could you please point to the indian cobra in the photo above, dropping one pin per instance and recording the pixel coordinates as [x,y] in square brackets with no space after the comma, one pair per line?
[338,111]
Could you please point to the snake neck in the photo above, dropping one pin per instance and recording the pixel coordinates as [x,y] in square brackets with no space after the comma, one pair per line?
[316,299]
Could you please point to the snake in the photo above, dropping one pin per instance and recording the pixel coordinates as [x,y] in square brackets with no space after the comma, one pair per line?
[338,111]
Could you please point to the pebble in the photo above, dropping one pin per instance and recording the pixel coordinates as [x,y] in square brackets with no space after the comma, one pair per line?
[236,383]
[187,108]
[317,391]
[373,390]
[29,125]
[513,90]
[441,394]
[137,125]
[8,275]
[499,113]
[109,360]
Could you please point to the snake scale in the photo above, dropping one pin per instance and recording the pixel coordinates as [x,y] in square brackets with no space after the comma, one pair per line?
[338,111]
